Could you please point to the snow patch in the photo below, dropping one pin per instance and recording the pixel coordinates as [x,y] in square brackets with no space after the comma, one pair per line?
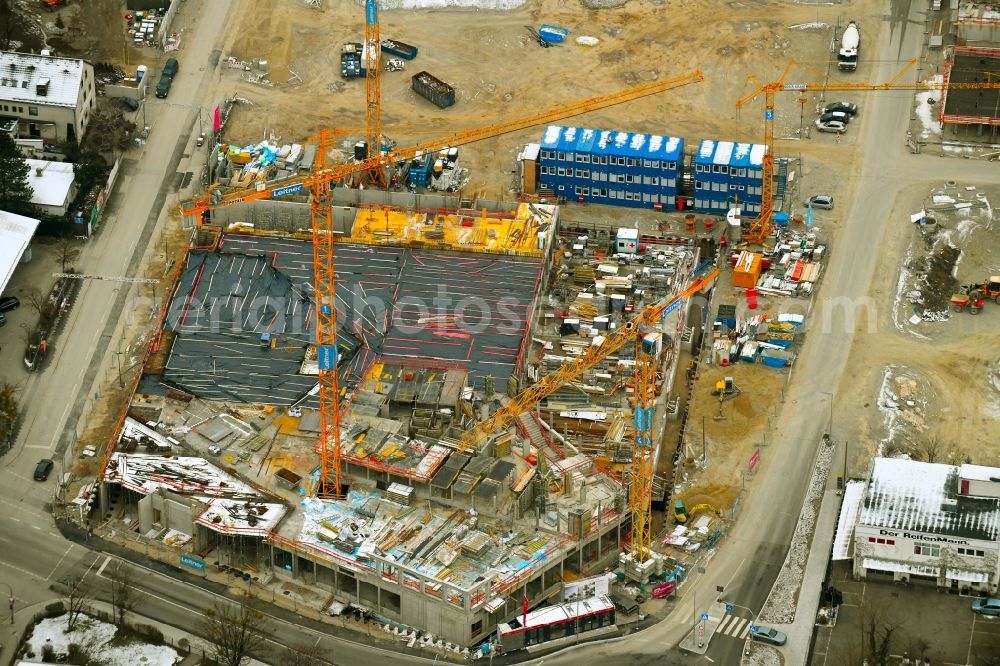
[638,141]
[814,25]
[588,134]
[741,150]
[552,133]
[605,139]
[926,112]
[672,144]
[570,134]
[96,637]
[655,142]
[621,139]
[707,148]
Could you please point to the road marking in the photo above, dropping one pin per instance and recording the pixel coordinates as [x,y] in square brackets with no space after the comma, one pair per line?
[59,562]
[36,527]
[745,632]
[36,446]
[61,421]
[101,570]
[738,627]
[17,568]
[725,623]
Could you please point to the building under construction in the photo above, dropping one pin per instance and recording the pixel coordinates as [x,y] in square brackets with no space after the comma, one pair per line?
[442,316]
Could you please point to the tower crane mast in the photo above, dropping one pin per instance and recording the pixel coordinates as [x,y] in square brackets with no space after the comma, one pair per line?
[373,93]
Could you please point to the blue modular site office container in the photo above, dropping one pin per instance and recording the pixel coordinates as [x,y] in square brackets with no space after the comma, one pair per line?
[420,170]
[611,167]
[726,173]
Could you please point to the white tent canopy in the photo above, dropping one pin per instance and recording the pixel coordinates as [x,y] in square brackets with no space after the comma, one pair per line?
[15,234]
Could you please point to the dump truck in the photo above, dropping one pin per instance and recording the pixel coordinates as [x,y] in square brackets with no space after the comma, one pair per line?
[850,42]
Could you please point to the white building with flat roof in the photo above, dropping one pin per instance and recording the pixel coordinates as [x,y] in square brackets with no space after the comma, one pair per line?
[929,522]
[54,185]
[16,232]
[51,98]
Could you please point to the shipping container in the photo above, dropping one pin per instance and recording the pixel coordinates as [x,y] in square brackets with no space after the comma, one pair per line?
[404,51]
[431,88]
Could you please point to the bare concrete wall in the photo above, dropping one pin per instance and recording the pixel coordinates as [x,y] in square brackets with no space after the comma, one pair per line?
[136,92]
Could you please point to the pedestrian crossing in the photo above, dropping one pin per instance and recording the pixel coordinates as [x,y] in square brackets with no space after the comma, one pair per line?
[734,626]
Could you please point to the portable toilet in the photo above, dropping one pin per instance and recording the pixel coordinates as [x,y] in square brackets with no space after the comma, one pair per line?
[627,241]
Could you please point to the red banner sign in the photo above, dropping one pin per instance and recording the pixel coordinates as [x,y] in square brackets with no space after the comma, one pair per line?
[754,459]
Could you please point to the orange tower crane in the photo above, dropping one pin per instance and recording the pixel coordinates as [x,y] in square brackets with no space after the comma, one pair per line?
[636,329]
[761,227]
[323,177]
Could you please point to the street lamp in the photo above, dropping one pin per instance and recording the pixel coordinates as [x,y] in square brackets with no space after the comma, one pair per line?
[829,428]
[10,599]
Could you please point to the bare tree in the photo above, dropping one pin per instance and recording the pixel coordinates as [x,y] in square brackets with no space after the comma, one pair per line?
[78,595]
[36,299]
[877,633]
[235,630]
[69,251]
[122,595]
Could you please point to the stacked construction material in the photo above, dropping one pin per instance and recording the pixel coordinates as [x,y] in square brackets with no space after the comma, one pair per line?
[399,493]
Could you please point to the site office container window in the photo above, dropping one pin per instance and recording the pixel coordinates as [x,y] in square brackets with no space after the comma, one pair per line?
[885,542]
[582,173]
[927,549]
[583,157]
[670,166]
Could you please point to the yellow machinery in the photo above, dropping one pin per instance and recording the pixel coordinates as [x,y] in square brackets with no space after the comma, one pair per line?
[324,176]
[762,225]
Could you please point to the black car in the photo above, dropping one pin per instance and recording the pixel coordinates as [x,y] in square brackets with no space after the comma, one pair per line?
[8,303]
[130,104]
[42,469]
[844,107]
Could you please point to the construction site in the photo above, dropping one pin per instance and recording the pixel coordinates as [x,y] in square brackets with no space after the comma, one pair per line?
[404,361]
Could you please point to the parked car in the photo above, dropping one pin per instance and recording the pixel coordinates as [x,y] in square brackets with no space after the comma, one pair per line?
[129,104]
[8,303]
[163,87]
[830,126]
[170,67]
[824,201]
[42,469]
[989,606]
[768,635]
[835,115]
[846,107]
[3,319]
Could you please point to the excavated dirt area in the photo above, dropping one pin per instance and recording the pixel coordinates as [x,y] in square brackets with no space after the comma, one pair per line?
[499,72]
[929,389]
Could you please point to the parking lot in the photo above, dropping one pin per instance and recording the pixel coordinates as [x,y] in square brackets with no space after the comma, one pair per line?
[925,623]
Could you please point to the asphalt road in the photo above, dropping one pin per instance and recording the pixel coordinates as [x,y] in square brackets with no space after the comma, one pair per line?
[35,554]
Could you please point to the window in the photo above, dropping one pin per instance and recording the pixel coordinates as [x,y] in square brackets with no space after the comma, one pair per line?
[927,550]
[887,542]
[671,165]
[646,164]
[972,552]
[671,182]
[629,178]
[698,168]
[582,173]
[656,164]
[477,628]
[562,188]
[723,169]
[581,191]
[581,157]
[603,192]
[561,171]
[715,168]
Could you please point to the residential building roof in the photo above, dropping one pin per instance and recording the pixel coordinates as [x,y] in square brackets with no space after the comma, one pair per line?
[15,234]
[38,79]
[923,497]
[51,181]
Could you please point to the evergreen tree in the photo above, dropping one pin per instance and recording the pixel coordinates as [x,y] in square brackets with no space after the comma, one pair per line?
[15,192]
